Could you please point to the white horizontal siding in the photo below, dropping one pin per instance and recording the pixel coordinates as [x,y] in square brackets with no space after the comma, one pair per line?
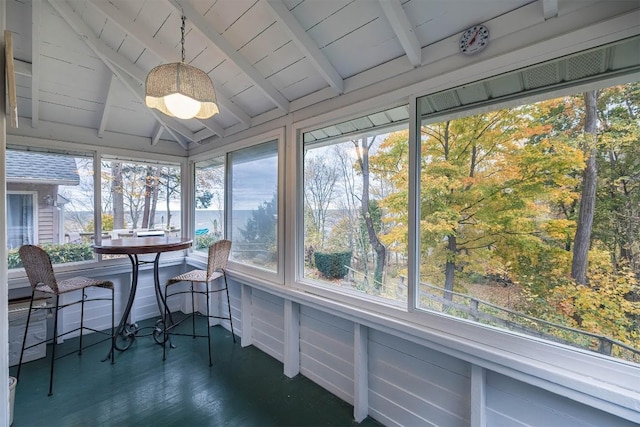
[428,385]
[268,323]
[326,352]
[97,313]
[511,402]
[145,305]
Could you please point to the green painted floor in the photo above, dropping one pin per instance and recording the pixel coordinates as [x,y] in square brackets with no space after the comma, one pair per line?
[245,387]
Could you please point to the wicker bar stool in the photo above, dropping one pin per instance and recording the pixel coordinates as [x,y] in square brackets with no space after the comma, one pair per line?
[216,264]
[37,265]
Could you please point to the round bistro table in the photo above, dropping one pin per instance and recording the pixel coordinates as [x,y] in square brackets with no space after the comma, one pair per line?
[132,247]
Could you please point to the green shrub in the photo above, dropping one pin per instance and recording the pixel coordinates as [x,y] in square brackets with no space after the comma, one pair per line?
[68,252]
[333,265]
[14,259]
[206,240]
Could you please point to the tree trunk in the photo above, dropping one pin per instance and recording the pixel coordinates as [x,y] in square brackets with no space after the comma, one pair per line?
[168,214]
[450,266]
[117,195]
[582,238]
[154,199]
[378,247]
[148,189]
[452,243]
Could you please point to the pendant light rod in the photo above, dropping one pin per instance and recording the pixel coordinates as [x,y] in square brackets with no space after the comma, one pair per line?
[184,19]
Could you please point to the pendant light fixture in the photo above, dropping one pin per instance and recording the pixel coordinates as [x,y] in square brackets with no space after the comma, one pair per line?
[181,90]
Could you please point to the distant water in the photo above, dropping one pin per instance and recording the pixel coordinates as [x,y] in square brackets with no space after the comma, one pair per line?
[203,219]
[208,218]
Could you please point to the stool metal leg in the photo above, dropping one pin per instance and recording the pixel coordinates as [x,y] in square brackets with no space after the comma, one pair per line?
[53,347]
[113,325]
[26,330]
[193,313]
[207,324]
[81,321]
[165,325]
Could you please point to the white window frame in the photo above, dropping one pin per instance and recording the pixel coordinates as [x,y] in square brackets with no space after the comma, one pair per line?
[35,213]
[250,272]
[192,198]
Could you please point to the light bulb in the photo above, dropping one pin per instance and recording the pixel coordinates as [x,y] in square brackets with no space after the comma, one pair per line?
[182,106]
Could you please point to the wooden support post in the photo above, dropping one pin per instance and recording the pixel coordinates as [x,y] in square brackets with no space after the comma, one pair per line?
[361,372]
[4,295]
[478,396]
[291,338]
[246,313]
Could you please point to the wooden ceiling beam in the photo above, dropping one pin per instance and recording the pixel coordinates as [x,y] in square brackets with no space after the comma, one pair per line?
[107,106]
[306,45]
[403,29]
[157,134]
[221,43]
[549,9]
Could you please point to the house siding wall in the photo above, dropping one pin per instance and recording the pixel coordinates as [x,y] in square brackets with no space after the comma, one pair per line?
[46,225]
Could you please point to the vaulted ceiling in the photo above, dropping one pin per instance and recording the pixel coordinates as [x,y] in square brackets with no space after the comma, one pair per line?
[81,64]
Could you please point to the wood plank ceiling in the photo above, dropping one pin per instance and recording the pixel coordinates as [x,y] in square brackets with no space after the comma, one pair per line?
[83,63]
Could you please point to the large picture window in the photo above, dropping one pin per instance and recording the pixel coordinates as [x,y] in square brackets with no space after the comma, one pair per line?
[49,203]
[254,206]
[529,218]
[209,199]
[527,215]
[140,198]
[355,220]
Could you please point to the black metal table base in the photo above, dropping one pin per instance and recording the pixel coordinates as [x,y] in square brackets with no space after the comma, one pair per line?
[126,332]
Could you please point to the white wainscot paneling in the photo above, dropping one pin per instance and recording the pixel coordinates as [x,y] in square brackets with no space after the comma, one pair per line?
[235,296]
[412,385]
[268,323]
[182,302]
[97,314]
[218,300]
[146,305]
[514,403]
[326,351]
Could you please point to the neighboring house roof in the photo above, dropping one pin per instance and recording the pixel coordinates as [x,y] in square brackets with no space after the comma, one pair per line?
[41,168]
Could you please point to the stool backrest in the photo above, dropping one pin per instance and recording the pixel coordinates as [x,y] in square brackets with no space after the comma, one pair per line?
[37,264]
[218,257]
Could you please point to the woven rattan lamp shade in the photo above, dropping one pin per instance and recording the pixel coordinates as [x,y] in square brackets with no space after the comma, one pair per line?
[180,78]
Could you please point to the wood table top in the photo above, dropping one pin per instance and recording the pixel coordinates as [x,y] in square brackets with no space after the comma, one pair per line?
[143,245]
